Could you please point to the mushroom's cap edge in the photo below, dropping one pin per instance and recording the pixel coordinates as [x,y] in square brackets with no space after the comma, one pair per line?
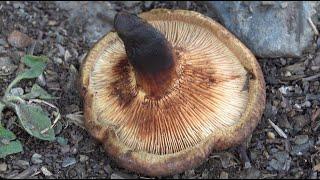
[162,165]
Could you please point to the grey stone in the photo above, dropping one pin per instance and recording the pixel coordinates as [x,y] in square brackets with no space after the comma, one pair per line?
[147,4]
[68,162]
[281,161]
[6,66]
[18,5]
[36,158]
[18,91]
[120,175]
[95,17]
[301,139]
[22,164]
[3,42]
[3,167]
[302,149]
[45,171]
[83,158]
[299,122]
[67,55]
[273,30]
[251,173]
[130,4]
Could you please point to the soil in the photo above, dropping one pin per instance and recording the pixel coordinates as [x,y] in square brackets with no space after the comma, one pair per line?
[292,86]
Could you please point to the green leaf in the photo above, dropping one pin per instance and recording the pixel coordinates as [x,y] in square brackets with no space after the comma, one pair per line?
[7,146]
[11,148]
[6,134]
[34,120]
[37,65]
[35,61]
[37,92]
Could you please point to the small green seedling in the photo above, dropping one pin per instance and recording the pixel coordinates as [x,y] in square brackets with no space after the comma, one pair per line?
[32,118]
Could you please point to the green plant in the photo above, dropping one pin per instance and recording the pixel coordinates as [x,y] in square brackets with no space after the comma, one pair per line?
[32,117]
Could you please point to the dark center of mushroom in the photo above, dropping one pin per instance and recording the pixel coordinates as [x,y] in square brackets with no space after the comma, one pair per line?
[149,52]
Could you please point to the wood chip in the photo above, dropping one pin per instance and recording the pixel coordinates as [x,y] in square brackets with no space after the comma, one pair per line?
[278,130]
[314,28]
[315,115]
[310,78]
[26,173]
[316,167]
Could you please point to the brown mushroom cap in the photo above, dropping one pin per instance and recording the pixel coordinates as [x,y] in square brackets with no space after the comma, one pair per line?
[214,103]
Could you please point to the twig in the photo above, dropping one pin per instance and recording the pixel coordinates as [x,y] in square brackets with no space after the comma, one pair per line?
[279,130]
[315,115]
[310,78]
[26,173]
[314,28]
[54,123]
[44,102]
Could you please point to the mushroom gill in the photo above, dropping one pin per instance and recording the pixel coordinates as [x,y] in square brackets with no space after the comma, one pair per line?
[213,99]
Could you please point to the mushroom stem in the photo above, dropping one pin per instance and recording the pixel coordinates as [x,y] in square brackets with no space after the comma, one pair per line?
[148,52]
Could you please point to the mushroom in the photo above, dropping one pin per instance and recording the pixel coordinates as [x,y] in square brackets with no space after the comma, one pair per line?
[168,88]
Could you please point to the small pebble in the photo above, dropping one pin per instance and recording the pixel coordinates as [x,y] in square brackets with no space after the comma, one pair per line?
[61,50]
[22,164]
[3,42]
[65,149]
[41,80]
[299,122]
[83,158]
[45,171]
[301,149]
[307,104]
[271,135]
[36,158]
[267,3]
[52,23]
[57,60]
[315,68]
[3,167]
[62,141]
[120,175]
[82,57]
[17,91]
[224,175]
[147,4]
[67,55]
[287,74]
[284,5]
[283,61]
[19,40]
[301,139]
[205,174]
[68,162]
[17,5]
[116,176]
